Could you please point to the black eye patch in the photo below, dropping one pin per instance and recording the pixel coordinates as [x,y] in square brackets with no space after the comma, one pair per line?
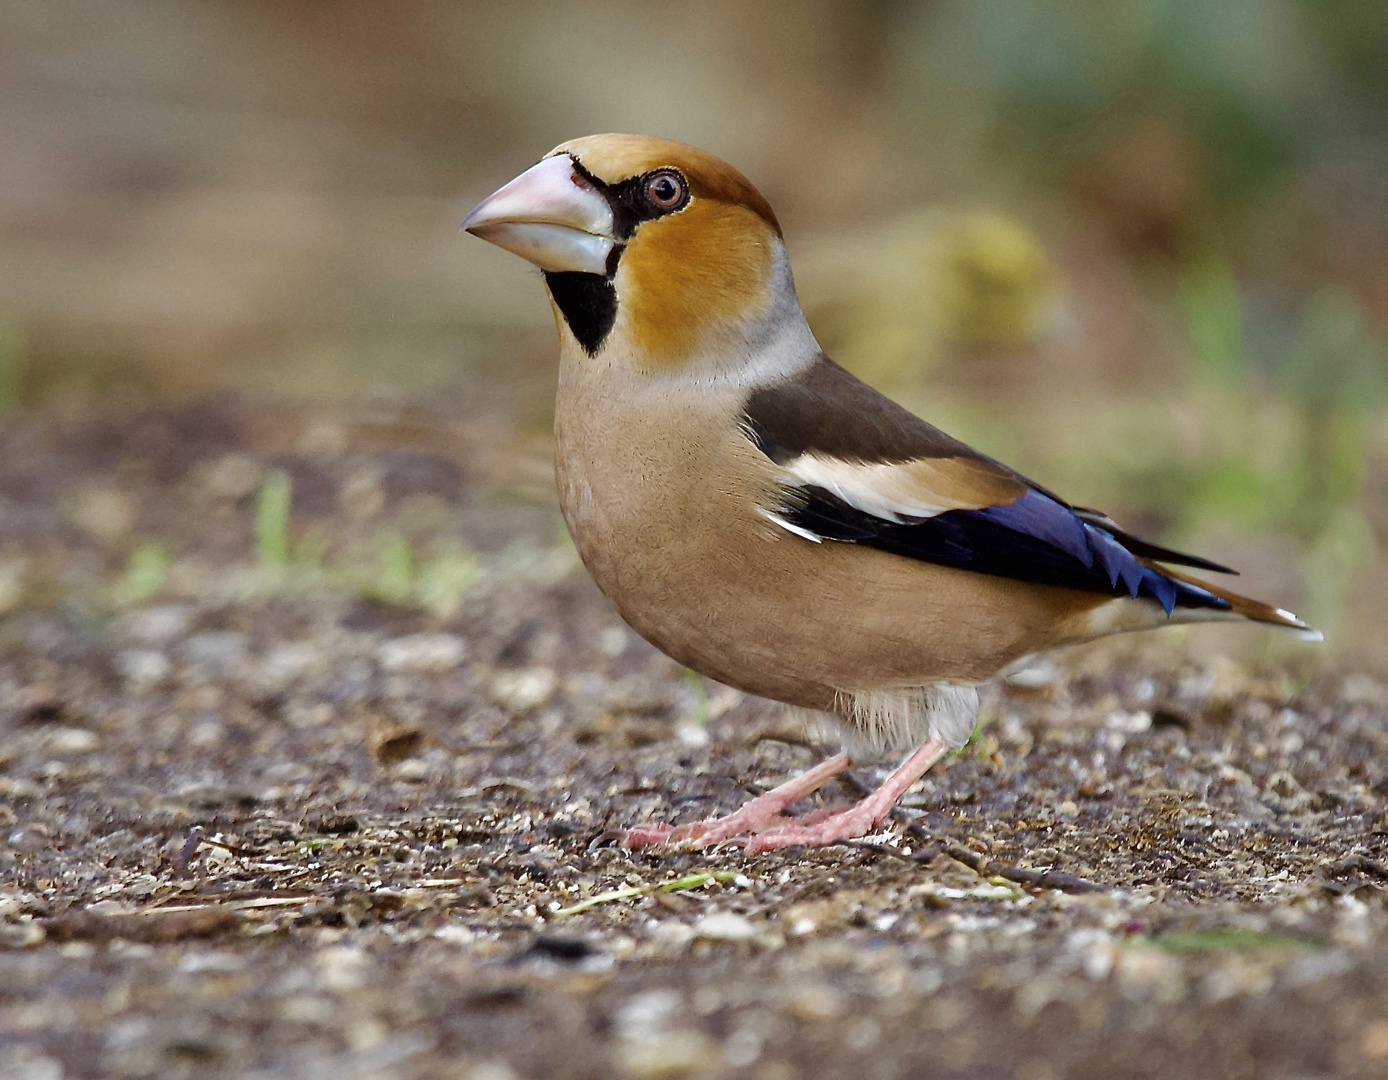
[646,197]
[640,198]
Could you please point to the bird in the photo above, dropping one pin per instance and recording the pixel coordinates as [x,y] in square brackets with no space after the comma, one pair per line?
[766,519]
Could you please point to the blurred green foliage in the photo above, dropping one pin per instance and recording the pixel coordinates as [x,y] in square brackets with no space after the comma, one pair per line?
[1331,369]
[272,521]
[396,577]
[1226,938]
[437,582]
[1213,316]
[12,350]
[146,572]
[1262,83]
[443,581]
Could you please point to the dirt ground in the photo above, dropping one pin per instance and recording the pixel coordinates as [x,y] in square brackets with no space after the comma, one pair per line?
[335,798]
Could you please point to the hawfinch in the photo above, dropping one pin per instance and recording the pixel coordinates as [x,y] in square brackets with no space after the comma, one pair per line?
[765,518]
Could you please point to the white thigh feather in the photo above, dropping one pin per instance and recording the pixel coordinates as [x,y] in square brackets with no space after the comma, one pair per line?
[891,721]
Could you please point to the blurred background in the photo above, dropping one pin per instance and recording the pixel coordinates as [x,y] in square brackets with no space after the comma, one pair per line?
[1138,248]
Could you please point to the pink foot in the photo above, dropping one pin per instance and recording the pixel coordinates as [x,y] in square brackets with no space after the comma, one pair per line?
[647,836]
[756,814]
[845,825]
[858,820]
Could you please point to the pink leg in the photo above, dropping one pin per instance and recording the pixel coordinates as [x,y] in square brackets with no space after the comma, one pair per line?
[752,815]
[859,819]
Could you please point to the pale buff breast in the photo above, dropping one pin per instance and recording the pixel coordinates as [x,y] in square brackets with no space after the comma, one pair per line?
[661,495]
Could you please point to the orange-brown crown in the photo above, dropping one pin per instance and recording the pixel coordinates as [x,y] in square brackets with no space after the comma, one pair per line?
[614,158]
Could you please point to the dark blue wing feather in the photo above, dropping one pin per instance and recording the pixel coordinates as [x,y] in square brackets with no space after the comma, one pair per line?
[1036,539]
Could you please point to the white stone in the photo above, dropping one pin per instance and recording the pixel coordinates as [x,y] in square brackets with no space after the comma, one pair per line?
[342,967]
[724,926]
[143,669]
[522,691]
[642,1013]
[219,653]
[1128,723]
[285,663]
[156,625]
[425,654]
[667,1054]
[70,740]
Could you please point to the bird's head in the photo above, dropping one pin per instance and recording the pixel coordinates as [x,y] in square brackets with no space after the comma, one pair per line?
[652,250]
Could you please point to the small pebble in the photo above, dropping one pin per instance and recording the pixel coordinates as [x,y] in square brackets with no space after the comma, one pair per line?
[613,641]
[143,669]
[232,477]
[455,934]
[11,584]
[423,654]
[666,1054]
[285,663]
[523,691]
[490,1070]
[342,967]
[216,653]
[724,926]
[103,513]
[156,625]
[1128,723]
[1141,969]
[1375,1040]
[817,1002]
[742,1048]
[70,740]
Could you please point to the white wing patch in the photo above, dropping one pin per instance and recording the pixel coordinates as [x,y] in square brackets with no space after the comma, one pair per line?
[790,526]
[892,491]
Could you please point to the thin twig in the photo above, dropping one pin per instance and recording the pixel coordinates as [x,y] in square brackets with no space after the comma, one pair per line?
[917,855]
[1021,875]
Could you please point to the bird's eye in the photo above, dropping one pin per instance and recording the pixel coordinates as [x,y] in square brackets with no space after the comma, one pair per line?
[666,190]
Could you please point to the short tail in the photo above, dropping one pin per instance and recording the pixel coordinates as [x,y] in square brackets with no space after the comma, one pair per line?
[1242,606]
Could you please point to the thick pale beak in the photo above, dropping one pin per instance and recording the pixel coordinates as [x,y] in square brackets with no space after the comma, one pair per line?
[549,215]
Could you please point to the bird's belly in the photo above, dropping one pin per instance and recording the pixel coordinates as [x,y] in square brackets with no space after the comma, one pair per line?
[721,590]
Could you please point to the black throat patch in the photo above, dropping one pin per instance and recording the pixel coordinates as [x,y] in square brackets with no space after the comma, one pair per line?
[589,304]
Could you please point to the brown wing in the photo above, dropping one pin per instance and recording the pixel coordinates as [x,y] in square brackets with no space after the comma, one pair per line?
[862,469]
[825,410]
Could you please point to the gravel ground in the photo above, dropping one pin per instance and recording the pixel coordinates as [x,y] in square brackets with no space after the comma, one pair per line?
[336,799]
